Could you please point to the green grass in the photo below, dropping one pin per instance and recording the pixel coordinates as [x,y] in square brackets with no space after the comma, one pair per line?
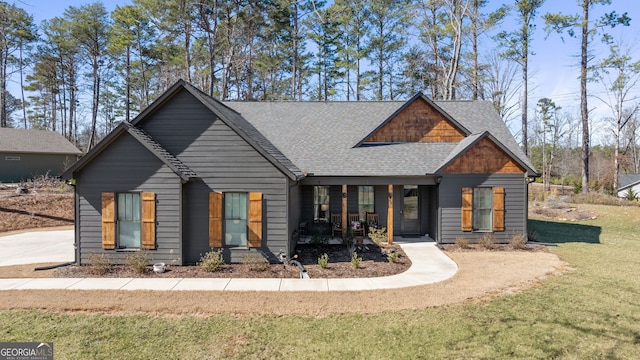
[591,312]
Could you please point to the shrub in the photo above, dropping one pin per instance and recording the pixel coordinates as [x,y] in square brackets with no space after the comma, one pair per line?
[99,264]
[378,236]
[518,241]
[356,260]
[323,260]
[319,237]
[255,262]
[462,243]
[630,195]
[487,241]
[393,256]
[211,261]
[138,261]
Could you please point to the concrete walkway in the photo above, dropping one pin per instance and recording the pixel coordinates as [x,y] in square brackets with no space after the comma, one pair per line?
[429,265]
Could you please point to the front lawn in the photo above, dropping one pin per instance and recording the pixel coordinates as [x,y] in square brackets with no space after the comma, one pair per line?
[590,312]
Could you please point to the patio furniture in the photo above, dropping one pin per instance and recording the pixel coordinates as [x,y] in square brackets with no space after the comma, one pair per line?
[336,225]
[356,225]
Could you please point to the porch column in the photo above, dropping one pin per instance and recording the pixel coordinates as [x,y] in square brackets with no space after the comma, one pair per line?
[390,216]
[344,212]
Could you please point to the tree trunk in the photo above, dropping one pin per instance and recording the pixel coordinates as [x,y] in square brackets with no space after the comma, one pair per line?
[525,84]
[584,110]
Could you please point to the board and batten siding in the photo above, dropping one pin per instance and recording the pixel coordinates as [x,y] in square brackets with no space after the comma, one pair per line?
[127,166]
[224,162]
[450,201]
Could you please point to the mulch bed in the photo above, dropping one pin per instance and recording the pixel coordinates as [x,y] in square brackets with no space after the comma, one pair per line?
[374,263]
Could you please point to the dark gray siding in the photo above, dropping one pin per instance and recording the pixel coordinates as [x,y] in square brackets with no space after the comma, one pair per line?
[226,163]
[126,166]
[450,200]
[16,167]
[295,215]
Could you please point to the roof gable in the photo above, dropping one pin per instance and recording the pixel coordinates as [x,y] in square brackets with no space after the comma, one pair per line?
[232,119]
[141,137]
[418,120]
[483,154]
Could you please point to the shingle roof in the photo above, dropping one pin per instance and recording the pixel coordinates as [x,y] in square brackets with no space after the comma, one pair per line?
[627,180]
[174,163]
[35,141]
[320,137]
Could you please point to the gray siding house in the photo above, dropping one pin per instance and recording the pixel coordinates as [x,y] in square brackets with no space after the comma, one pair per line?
[25,154]
[191,173]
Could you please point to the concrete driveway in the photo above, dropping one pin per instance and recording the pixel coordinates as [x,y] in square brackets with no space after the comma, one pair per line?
[37,247]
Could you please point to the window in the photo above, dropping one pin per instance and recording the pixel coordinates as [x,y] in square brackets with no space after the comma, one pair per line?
[483,209]
[365,201]
[129,220]
[129,224]
[321,203]
[235,219]
[240,215]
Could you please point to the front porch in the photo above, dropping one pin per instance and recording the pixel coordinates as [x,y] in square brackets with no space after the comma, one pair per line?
[403,208]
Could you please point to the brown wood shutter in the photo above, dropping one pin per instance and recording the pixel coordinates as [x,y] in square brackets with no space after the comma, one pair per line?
[215,219]
[108,220]
[467,209]
[498,209]
[148,220]
[255,219]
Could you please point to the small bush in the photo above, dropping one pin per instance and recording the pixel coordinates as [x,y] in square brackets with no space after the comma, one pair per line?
[99,264]
[319,237]
[323,260]
[356,260]
[630,195]
[255,262]
[393,256]
[378,236]
[462,243]
[138,261]
[211,261]
[487,241]
[518,241]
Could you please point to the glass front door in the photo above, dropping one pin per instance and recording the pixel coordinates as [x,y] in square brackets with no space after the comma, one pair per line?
[410,210]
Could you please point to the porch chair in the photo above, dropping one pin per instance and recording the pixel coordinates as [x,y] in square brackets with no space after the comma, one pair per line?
[356,225]
[336,225]
[373,221]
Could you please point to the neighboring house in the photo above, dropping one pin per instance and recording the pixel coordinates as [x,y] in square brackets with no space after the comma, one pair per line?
[25,154]
[629,183]
[191,173]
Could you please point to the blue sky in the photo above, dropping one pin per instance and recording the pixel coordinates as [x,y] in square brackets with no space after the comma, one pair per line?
[553,66]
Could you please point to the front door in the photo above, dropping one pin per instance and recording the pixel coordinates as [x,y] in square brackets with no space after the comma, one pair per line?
[410,210]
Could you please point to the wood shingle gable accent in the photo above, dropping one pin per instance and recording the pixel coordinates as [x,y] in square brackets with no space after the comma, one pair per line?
[467,209]
[418,121]
[484,157]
